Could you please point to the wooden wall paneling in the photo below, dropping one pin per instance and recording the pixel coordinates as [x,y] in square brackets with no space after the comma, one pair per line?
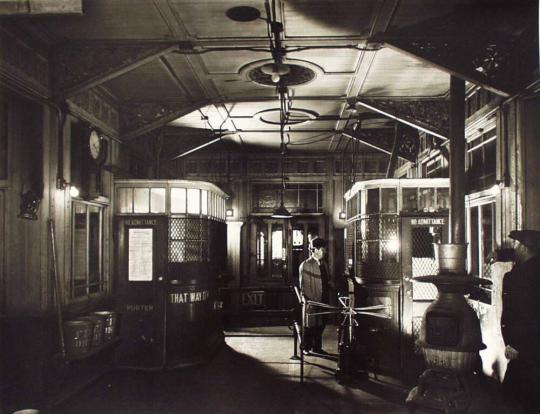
[14,236]
[23,67]
[530,122]
[22,293]
[2,250]
[3,140]
[108,186]
[515,165]
[65,215]
[48,174]
[34,229]
[56,204]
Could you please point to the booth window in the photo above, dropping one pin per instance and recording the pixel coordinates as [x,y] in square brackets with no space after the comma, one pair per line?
[87,276]
[481,238]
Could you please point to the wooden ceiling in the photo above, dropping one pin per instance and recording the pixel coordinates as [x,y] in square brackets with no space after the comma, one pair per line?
[190,63]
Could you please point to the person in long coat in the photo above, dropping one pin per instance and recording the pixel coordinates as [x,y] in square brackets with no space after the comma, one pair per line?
[520,322]
[315,286]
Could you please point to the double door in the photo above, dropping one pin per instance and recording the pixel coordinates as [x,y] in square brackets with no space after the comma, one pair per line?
[277,247]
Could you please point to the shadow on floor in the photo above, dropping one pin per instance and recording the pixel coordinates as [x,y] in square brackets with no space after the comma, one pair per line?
[231,383]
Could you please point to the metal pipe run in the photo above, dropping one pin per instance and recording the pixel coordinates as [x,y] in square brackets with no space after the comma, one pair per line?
[457,160]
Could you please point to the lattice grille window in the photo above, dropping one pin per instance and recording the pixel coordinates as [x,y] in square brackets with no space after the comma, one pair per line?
[188,240]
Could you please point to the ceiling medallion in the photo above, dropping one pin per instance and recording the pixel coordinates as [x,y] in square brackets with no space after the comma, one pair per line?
[296,116]
[297,75]
[243,13]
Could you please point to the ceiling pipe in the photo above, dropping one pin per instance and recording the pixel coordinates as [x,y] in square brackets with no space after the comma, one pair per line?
[197,148]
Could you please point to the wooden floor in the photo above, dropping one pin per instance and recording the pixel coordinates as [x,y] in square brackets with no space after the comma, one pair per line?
[252,373]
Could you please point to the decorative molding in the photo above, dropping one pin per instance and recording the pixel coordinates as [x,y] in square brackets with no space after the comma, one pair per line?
[22,67]
[137,118]
[431,116]
[481,64]
[80,67]
[408,144]
[383,140]
[380,139]
[96,109]
[478,44]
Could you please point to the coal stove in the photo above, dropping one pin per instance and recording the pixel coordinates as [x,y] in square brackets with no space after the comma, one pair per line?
[450,338]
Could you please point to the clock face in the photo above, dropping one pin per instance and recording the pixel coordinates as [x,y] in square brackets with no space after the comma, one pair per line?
[94,143]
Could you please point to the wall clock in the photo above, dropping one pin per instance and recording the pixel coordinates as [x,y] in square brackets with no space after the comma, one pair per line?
[96,147]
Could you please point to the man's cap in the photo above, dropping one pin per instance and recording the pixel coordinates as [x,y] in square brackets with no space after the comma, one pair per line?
[317,243]
[529,238]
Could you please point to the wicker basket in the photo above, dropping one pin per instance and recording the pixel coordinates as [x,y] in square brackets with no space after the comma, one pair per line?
[78,336]
[109,319]
[98,331]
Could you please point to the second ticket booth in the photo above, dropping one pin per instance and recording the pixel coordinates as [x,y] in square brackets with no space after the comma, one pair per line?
[170,241]
[392,225]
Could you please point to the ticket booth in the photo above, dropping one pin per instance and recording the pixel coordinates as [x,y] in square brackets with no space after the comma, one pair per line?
[170,249]
[391,227]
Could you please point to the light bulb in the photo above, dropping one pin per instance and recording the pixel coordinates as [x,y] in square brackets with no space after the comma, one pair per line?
[275,77]
[73,191]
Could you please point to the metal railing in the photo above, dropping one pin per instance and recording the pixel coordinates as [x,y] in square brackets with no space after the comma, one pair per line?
[349,322]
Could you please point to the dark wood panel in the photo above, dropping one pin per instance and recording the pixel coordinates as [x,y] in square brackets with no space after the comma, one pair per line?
[3,140]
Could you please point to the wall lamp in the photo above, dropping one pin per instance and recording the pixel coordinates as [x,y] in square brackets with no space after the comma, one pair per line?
[62,184]
[342,215]
[229,212]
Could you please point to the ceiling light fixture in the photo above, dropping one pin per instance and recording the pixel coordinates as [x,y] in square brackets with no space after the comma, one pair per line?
[282,212]
[278,69]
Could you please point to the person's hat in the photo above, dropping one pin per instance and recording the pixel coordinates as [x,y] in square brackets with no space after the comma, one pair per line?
[529,238]
[317,243]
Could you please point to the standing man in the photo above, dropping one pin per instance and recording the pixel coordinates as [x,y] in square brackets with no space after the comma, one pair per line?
[520,322]
[315,286]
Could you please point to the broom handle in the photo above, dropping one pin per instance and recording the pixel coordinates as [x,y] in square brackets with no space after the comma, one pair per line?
[57,291]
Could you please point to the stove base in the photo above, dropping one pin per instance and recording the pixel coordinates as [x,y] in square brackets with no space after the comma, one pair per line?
[444,391]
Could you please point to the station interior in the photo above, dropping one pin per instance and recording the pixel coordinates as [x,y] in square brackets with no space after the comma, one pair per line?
[167,168]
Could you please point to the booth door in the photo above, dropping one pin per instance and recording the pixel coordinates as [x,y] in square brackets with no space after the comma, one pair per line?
[418,259]
[141,253]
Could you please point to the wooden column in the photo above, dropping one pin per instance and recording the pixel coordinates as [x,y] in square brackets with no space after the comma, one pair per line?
[233,249]
[457,160]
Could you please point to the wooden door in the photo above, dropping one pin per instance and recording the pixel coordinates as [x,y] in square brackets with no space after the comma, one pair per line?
[141,256]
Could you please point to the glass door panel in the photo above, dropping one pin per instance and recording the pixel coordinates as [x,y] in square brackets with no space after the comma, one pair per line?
[278,252]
